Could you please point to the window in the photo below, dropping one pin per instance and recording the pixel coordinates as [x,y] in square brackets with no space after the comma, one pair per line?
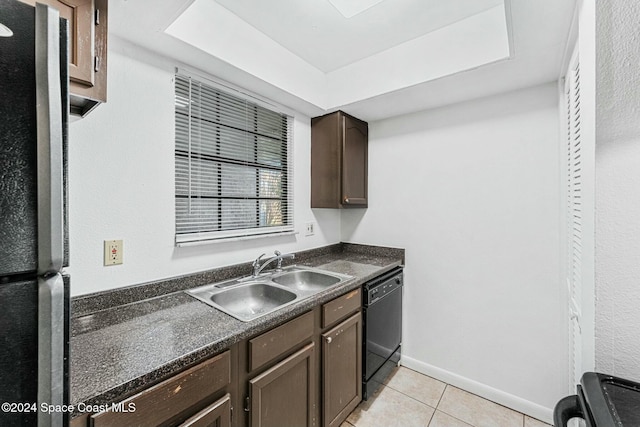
[233,168]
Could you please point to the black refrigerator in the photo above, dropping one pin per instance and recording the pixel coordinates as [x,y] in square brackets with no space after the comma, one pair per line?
[34,289]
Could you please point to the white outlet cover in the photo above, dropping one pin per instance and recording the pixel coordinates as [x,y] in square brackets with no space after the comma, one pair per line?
[113,252]
[309,229]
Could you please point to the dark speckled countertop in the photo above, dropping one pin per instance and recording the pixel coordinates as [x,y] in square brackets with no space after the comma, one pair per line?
[122,349]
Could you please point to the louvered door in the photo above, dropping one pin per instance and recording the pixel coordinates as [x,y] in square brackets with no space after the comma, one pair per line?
[574,214]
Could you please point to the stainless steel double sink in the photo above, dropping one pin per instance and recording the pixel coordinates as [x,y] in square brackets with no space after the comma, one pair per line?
[251,297]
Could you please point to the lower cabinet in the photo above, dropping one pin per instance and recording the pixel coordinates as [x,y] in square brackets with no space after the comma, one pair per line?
[306,372]
[284,395]
[342,370]
[184,399]
[218,414]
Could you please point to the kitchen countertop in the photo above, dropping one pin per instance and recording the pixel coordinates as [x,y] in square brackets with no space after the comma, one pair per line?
[118,351]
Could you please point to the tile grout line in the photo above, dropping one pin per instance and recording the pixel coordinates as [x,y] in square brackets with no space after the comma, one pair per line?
[436,408]
[410,397]
[490,401]
[446,385]
[455,418]
[429,406]
[433,414]
[442,395]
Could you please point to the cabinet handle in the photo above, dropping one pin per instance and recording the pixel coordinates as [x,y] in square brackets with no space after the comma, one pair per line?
[97,22]
[329,339]
[96,65]
[346,200]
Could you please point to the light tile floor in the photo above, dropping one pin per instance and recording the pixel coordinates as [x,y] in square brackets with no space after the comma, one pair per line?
[409,398]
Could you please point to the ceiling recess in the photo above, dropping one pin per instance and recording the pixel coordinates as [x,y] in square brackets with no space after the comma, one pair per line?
[351,8]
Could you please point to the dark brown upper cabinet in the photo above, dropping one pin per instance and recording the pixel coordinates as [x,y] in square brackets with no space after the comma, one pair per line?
[87,51]
[339,161]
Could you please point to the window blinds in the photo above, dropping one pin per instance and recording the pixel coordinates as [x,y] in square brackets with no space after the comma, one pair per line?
[233,165]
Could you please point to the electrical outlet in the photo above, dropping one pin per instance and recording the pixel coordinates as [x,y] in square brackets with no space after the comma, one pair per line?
[310,229]
[113,252]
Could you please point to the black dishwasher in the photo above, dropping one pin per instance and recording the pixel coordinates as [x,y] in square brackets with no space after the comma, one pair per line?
[382,329]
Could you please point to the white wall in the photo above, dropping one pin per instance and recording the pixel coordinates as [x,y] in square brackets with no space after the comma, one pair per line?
[472,192]
[121,172]
[618,188]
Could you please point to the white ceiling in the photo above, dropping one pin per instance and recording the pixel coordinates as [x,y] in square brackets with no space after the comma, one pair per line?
[319,34]
[397,57]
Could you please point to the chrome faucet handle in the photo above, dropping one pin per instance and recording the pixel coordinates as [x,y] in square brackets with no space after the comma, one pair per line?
[278,254]
[257,260]
[256,264]
[280,257]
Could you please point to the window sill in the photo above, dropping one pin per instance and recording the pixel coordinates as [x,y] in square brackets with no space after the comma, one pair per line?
[207,241]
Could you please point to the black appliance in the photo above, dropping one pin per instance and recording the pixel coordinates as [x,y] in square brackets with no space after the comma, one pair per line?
[34,290]
[601,401]
[382,329]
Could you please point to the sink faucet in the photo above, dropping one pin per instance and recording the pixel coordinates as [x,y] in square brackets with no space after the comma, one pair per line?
[279,256]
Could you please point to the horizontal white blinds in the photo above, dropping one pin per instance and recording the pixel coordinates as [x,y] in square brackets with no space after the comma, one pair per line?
[233,169]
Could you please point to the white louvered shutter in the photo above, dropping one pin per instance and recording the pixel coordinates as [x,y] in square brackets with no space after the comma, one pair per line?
[574,213]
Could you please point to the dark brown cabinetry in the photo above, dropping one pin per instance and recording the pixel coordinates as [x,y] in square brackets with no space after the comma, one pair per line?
[342,370]
[304,372]
[218,414]
[285,394]
[281,375]
[87,50]
[339,161]
[341,359]
[191,398]
[308,371]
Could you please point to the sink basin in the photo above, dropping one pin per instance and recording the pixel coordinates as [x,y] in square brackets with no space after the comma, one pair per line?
[250,297]
[306,280]
[246,301]
[252,300]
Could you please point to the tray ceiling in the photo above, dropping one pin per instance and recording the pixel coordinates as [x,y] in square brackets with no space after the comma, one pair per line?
[319,34]
[394,57]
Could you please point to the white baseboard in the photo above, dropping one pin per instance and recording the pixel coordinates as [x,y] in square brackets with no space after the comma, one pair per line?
[516,403]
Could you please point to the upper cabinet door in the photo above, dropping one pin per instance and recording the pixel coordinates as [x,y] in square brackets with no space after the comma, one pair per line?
[87,23]
[354,162]
[338,161]
[80,14]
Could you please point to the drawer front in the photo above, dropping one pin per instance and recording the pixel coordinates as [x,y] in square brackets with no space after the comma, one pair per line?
[341,307]
[217,414]
[266,347]
[168,399]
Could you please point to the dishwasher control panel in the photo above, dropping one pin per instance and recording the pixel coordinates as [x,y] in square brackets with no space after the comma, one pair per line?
[379,288]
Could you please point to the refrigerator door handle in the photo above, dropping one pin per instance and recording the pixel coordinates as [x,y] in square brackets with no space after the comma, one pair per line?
[49,141]
[50,348]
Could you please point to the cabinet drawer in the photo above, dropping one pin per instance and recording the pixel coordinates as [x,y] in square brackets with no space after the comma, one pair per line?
[217,414]
[168,399]
[268,346]
[341,307]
